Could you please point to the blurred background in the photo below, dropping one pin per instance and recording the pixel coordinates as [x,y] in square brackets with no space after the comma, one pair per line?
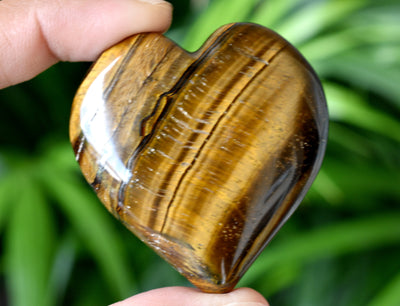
[59,246]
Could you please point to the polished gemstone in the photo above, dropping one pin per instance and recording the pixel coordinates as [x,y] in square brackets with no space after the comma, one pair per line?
[202,155]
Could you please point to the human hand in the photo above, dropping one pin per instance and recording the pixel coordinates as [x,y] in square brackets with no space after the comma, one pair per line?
[36,34]
[182,296]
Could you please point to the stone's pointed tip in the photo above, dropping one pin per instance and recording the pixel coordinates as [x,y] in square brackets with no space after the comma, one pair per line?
[231,145]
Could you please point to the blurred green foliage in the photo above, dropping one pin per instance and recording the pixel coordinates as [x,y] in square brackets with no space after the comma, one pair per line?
[59,246]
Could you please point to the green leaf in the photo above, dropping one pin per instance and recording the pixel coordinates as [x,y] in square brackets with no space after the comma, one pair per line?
[8,191]
[323,47]
[327,188]
[219,13]
[61,156]
[363,182]
[366,71]
[333,240]
[29,248]
[93,224]
[273,11]
[281,277]
[345,105]
[311,19]
[390,295]
[65,257]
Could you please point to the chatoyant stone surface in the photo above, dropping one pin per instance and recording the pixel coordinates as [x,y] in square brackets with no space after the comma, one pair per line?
[202,155]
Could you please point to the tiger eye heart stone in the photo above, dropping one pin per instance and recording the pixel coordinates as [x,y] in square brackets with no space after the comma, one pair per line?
[202,155]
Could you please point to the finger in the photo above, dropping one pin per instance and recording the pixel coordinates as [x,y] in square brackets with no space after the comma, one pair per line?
[183,296]
[36,34]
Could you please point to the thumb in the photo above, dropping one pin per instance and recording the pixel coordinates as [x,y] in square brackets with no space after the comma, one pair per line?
[183,296]
[36,34]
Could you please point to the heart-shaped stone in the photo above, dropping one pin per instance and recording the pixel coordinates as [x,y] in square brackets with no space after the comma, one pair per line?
[202,155]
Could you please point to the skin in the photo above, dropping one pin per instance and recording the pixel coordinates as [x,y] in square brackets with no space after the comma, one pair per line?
[173,296]
[35,34]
